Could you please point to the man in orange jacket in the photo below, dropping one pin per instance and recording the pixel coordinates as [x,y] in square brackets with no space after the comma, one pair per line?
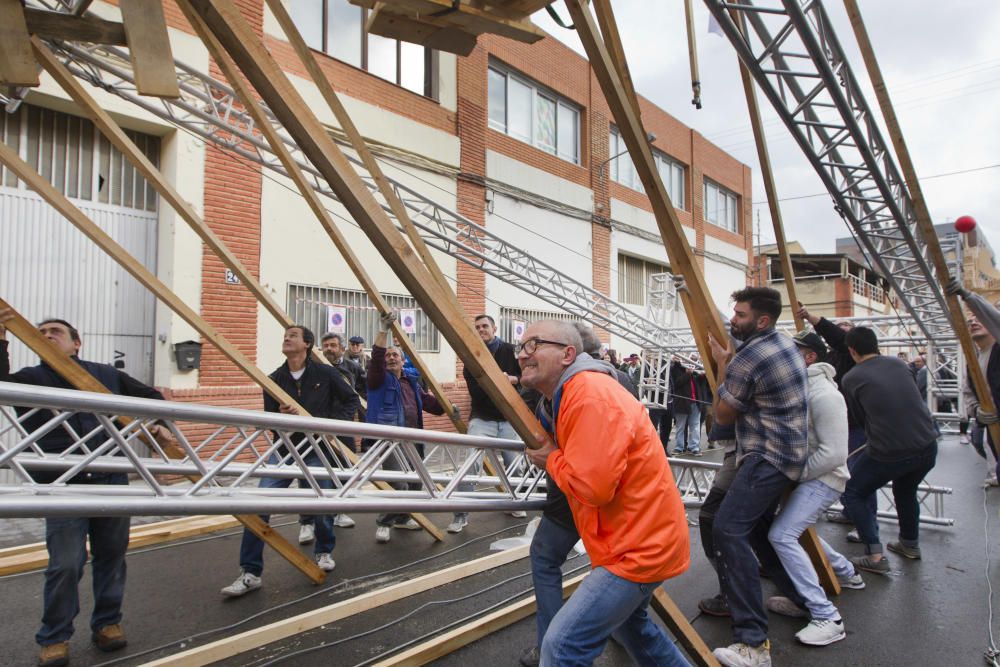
[609,462]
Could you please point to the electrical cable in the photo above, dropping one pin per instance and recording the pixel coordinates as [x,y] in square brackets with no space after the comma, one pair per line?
[329,589]
[992,654]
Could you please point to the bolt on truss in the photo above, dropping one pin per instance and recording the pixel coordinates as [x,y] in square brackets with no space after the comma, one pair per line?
[795,57]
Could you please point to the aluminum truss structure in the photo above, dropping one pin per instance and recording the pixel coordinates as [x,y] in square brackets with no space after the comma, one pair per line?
[794,55]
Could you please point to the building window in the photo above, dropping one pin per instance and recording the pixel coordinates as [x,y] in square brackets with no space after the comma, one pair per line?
[623,170]
[721,206]
[337,28]
[633,278]
[523,110]
[78,160]
[309,305]
[513,318]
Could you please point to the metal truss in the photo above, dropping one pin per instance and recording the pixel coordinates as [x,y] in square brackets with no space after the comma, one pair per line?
[210,109]
[238,449]
[794,56]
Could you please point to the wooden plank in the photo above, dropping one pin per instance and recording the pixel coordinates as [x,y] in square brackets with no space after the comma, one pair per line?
[17,67]
[692,53]
[922,214]
[36,182]
[288,627]
[408,29]
[464,635]
[149,48]
[469,17]
[267,77]
[678,625]
[630,128]
[56,25]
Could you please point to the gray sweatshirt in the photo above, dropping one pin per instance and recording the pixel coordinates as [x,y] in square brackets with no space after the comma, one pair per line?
[827,460]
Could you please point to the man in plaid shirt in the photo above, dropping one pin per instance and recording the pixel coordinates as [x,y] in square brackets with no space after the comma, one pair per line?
[763,390]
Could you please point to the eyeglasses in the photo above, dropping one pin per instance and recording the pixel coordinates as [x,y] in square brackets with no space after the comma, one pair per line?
[529,346]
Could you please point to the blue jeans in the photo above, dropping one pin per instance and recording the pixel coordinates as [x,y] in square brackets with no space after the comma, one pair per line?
[804,507]
[252,547]
[66,541]
[550,547]
[740,534]
[868,476]
[689,425]
[489,429]
[605,604]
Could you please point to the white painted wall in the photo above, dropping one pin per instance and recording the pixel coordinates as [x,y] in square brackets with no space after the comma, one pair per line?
[721,278]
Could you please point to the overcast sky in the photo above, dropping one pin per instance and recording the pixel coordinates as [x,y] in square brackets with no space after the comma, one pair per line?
[941,61]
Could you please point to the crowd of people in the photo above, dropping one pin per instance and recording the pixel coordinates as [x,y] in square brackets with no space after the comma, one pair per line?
[803,422]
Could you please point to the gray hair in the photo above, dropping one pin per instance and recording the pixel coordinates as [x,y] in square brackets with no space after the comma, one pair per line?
[591,343]
[566,331]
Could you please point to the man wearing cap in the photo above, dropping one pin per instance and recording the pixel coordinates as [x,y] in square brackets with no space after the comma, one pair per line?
[356,352]
[822,482]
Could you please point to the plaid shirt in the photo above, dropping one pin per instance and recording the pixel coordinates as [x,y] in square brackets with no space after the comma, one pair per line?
[766,382]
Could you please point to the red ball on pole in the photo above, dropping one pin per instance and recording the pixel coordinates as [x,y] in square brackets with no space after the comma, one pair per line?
[965,224]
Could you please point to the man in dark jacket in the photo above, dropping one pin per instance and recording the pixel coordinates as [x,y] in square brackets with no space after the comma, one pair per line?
[66,538]
[334,351]
[690,394]
[322,392]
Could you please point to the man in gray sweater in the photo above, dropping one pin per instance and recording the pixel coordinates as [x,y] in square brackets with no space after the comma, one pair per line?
[902,447]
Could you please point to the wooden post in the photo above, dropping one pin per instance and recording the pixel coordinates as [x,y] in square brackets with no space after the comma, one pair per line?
[17,67]
[692,54]
[267,77]
[149,48]
[923,216]
[84,381]
[676,622]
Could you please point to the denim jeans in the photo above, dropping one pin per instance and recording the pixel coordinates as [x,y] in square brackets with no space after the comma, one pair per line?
[603,605]
[740,535]
[252,547]
[550,547]
[689,430]
[806,504]
[489,429]
[66,541]
[706,515]
[868,476]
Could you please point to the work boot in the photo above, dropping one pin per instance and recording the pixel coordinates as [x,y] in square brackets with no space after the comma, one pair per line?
[531,657]
[714,606]
[54,655]
[109,638]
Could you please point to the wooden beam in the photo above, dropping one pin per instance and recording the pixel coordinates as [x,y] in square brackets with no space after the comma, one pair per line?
[632,132]
[467,16]
[295,173]
[921,212]
[288,627]
[678,625]
[17,67]
[413,30]
[267,77]
[36,182]
[692,53]
[450,641]
[56,25]
[149,48]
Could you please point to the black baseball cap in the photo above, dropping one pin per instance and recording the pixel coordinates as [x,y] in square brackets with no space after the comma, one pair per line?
[812,341]
[356,339]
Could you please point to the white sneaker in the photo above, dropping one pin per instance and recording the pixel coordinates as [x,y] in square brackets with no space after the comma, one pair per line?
[741,655]
[854,581]
[343,521]
[325,562]
[383,534]
[964,440]
[307,533]
[518,514]
[245,583]
[821,632]
[457,524]
[410,524]
[785,607]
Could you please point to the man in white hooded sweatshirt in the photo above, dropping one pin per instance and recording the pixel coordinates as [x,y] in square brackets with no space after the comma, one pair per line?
[822,482]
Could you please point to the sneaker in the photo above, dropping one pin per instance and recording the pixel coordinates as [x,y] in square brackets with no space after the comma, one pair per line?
[990,481]
[913,553]
[325,562]
[382,534]
[307,533]
[785,607]
[245,583]
[854,581]
[678,452]
[821,632]
[838,517]
[109,638]
[697,453]
[714,606]
[964,440]
[868,565]
[457,524]
[343,521]
[409,524]
[531,657]
[742,655]
[54,655]
[854,537]
[518,514]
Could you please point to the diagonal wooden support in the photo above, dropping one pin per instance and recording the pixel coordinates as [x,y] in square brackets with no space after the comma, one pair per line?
[17,67]
[149,48]
[248,52]
[84,381]
[686,635]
